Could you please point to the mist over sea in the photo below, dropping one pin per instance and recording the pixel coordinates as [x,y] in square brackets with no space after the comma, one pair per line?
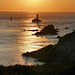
[14,41]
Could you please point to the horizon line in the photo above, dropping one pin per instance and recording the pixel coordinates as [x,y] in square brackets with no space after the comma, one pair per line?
[35,11]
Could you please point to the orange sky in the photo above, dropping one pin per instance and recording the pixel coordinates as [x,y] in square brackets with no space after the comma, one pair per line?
[38,5]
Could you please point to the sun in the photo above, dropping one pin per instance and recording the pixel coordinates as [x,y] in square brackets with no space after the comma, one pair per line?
[33,1]
[33,4]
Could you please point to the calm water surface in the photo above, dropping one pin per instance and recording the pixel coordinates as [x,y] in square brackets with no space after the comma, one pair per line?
[14,41]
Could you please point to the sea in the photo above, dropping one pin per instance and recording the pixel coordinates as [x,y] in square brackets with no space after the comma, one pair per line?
[16,39]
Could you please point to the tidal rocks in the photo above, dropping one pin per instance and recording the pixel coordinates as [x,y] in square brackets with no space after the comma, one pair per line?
[47,30]
[24,30]
[66,28]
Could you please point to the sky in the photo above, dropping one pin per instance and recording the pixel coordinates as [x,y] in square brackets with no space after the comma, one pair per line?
[38,5]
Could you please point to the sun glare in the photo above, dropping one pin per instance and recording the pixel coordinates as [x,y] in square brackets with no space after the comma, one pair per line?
[34,4]
[33,1]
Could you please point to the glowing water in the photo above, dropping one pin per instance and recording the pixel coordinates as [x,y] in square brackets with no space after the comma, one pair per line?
[14,40]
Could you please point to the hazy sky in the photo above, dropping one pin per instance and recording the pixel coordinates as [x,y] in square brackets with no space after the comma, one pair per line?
[38,5]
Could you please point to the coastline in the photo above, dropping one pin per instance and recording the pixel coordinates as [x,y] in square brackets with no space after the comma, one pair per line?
[56,53]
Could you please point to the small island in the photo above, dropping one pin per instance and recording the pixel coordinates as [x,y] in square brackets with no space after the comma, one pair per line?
[48,30]
[36,20]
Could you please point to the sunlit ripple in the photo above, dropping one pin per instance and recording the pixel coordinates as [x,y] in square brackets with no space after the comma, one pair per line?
[28,42]
[28,20]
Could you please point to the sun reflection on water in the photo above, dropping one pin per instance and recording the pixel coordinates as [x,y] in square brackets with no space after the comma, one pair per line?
[28,20]
[27,42]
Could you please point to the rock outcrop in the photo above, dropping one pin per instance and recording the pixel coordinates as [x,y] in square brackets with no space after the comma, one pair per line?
[47,30]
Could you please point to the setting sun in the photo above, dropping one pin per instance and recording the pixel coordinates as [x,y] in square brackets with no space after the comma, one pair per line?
[33,2]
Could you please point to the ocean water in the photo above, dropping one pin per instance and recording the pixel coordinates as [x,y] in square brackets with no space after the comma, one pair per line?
[14,41]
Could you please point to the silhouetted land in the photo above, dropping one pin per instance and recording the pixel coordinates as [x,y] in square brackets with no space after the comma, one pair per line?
[63,50]
[47,69]
[47,30]
[59,58]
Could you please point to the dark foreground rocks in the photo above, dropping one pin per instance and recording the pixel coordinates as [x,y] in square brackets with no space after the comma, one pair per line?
[33,30]
[47,30]
[53,69]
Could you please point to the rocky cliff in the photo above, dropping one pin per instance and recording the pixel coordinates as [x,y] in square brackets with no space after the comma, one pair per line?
[63,50]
